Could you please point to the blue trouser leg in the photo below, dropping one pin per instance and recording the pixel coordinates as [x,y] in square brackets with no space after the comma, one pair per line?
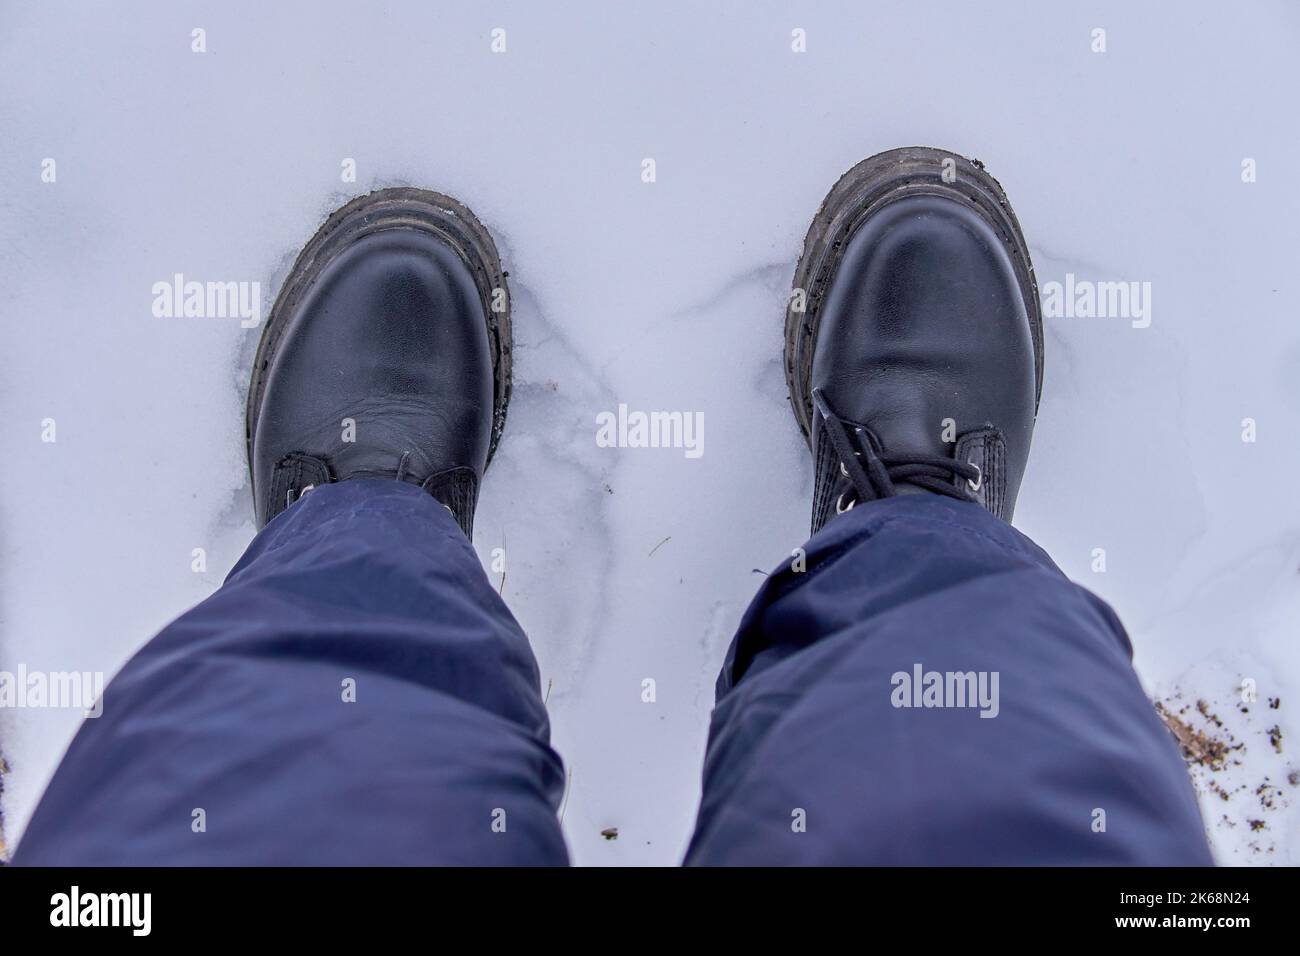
[810,761]
[241,709]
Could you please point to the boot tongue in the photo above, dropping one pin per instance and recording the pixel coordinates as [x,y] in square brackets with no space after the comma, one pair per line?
[900,436]
[905,432]
[373,445]
[855,462]
[902,431]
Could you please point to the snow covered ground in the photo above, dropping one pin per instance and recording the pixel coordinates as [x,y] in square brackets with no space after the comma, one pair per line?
[1123,165]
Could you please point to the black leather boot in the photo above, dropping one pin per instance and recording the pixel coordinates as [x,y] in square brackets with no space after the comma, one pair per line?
[914,344]
[386,355]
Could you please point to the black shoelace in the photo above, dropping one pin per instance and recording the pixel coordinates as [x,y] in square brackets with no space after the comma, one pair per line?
[874,474]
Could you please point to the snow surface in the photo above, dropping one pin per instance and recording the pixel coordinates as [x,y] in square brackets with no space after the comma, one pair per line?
[1123,165]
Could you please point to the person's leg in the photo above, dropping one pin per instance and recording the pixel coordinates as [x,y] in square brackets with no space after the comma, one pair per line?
[356,692]
[812,761]
[922,685]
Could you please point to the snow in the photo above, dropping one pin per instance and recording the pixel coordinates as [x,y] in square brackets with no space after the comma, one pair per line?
[626,564]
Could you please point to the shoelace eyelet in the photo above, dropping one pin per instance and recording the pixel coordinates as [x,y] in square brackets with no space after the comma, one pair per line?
[840,507]
[290,499]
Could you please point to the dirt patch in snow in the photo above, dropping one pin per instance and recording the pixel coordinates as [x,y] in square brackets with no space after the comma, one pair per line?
[1215,748]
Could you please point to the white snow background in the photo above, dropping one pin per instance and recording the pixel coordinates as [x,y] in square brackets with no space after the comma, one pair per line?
[1122,165]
